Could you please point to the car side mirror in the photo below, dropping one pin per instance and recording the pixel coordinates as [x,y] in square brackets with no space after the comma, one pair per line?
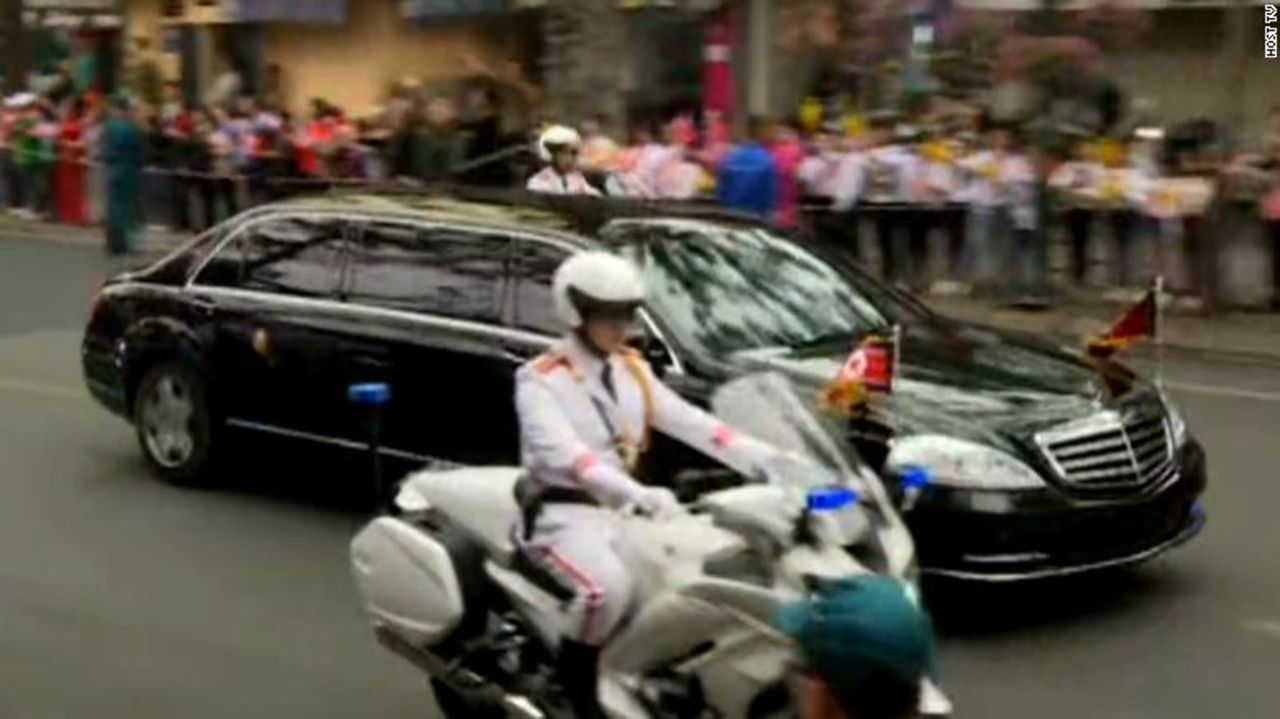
[654,352]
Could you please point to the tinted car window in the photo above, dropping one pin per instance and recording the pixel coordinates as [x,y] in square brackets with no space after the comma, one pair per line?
[730,289]
[535,265]
[288,255]
[439,271]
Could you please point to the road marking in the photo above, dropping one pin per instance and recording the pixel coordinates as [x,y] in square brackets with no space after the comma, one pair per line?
[42,389]
[1221,391]
[1269,627]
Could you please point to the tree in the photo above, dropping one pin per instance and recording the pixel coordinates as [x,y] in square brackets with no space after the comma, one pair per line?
[1053,50]
[585,43]
[14,45]
[857,35]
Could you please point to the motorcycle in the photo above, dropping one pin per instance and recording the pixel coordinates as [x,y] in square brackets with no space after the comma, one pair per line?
[448,588]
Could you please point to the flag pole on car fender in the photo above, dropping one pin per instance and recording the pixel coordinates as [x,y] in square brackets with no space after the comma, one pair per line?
[897,350]
[1159,332]
[897,356]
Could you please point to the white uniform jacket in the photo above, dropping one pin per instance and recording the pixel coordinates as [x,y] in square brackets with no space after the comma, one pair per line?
[850,181]
[820,173]
[552,182]
[575,434]
[888,173]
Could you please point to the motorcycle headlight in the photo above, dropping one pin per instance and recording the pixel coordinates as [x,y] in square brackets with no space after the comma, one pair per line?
[1177,423]
[962,464]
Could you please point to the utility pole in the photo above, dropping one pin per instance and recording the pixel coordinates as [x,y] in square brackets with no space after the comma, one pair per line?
[15,46]
[584,55]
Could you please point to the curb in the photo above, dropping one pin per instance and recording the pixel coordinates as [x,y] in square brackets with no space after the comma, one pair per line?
[1219,337]
[68,236]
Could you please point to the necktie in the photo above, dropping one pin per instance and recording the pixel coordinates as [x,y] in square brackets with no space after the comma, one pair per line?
[606,379]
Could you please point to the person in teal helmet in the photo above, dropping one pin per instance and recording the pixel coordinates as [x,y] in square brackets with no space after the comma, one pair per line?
[867,650]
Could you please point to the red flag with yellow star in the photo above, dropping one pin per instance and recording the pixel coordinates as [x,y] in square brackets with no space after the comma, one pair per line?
[1140,322]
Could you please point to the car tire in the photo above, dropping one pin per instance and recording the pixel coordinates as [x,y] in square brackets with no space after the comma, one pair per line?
[172,418]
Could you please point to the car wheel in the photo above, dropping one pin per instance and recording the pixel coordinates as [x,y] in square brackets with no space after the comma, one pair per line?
[172,419]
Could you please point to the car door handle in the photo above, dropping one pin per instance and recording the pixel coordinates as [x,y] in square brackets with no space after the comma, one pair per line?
[373,363]
[518,355]
[203,304]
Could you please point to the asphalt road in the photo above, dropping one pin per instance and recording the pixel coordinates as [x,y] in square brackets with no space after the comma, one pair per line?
[123,598]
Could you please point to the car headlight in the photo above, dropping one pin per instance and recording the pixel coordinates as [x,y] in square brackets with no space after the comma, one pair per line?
[1177,423]
[962,464]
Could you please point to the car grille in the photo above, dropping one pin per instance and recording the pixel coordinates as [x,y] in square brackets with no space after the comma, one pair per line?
[1111,452]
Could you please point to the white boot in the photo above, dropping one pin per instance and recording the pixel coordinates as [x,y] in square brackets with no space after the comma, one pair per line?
[933,703]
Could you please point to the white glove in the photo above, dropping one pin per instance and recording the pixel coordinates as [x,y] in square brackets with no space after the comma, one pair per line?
[659,503]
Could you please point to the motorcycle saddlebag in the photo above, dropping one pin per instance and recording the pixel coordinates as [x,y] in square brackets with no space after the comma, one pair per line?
[408,578]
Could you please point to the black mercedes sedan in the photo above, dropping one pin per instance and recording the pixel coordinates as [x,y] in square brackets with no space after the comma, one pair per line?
[1043,463]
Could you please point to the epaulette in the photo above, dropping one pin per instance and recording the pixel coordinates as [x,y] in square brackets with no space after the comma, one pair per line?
[548,362]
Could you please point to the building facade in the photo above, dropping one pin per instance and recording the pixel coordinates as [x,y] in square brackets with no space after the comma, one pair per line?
[348,52]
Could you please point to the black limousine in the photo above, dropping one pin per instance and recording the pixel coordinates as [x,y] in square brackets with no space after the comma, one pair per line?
[1042,463]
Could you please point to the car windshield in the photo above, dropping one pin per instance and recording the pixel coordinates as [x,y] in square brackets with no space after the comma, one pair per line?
[732,289]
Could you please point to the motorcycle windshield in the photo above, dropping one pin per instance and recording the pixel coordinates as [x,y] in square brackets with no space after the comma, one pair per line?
[817,460]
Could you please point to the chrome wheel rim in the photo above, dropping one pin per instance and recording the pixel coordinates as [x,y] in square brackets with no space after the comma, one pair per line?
[167,427]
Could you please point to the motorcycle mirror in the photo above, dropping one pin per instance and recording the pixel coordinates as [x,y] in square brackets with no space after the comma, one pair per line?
[653,351]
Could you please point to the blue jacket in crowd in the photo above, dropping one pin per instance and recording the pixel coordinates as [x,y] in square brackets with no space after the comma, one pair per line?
[748,180]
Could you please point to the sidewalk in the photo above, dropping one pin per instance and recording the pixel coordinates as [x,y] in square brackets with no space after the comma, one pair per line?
[1244,334]
[18,227]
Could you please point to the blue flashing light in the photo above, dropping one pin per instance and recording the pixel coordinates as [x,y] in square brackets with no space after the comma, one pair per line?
[915,477]
[373,394]
[831,499]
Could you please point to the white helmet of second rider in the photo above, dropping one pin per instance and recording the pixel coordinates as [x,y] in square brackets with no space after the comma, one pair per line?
[595,278]
[556,138]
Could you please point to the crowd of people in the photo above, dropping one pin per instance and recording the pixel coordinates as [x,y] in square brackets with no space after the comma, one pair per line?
[989,189]
[192,166]
[994,195]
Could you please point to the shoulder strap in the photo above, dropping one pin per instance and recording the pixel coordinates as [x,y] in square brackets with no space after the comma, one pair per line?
[636,366]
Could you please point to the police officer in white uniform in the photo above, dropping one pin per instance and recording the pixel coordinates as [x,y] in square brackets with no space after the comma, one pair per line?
[586,408]
[558,146]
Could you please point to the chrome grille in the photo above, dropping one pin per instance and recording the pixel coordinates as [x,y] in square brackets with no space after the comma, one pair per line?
[1111,451]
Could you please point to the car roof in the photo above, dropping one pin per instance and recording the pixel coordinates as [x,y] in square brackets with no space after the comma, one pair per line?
[579,215]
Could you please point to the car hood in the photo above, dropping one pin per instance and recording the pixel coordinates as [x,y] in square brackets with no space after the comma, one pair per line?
[973,382]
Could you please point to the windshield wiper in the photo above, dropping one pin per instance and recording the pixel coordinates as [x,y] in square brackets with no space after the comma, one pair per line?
[842,337]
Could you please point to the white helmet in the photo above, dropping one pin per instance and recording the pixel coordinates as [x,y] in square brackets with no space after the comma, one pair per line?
[595,280]
[556,138]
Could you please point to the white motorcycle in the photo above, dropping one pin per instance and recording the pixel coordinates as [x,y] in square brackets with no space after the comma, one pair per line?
[448,589]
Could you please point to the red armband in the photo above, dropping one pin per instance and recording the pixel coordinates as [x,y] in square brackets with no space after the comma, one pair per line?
[583,463]
[724,436]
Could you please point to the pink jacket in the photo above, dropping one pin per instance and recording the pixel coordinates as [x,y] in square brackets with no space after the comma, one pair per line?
[788,153]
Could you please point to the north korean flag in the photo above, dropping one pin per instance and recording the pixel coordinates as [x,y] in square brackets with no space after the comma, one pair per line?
[871,364]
